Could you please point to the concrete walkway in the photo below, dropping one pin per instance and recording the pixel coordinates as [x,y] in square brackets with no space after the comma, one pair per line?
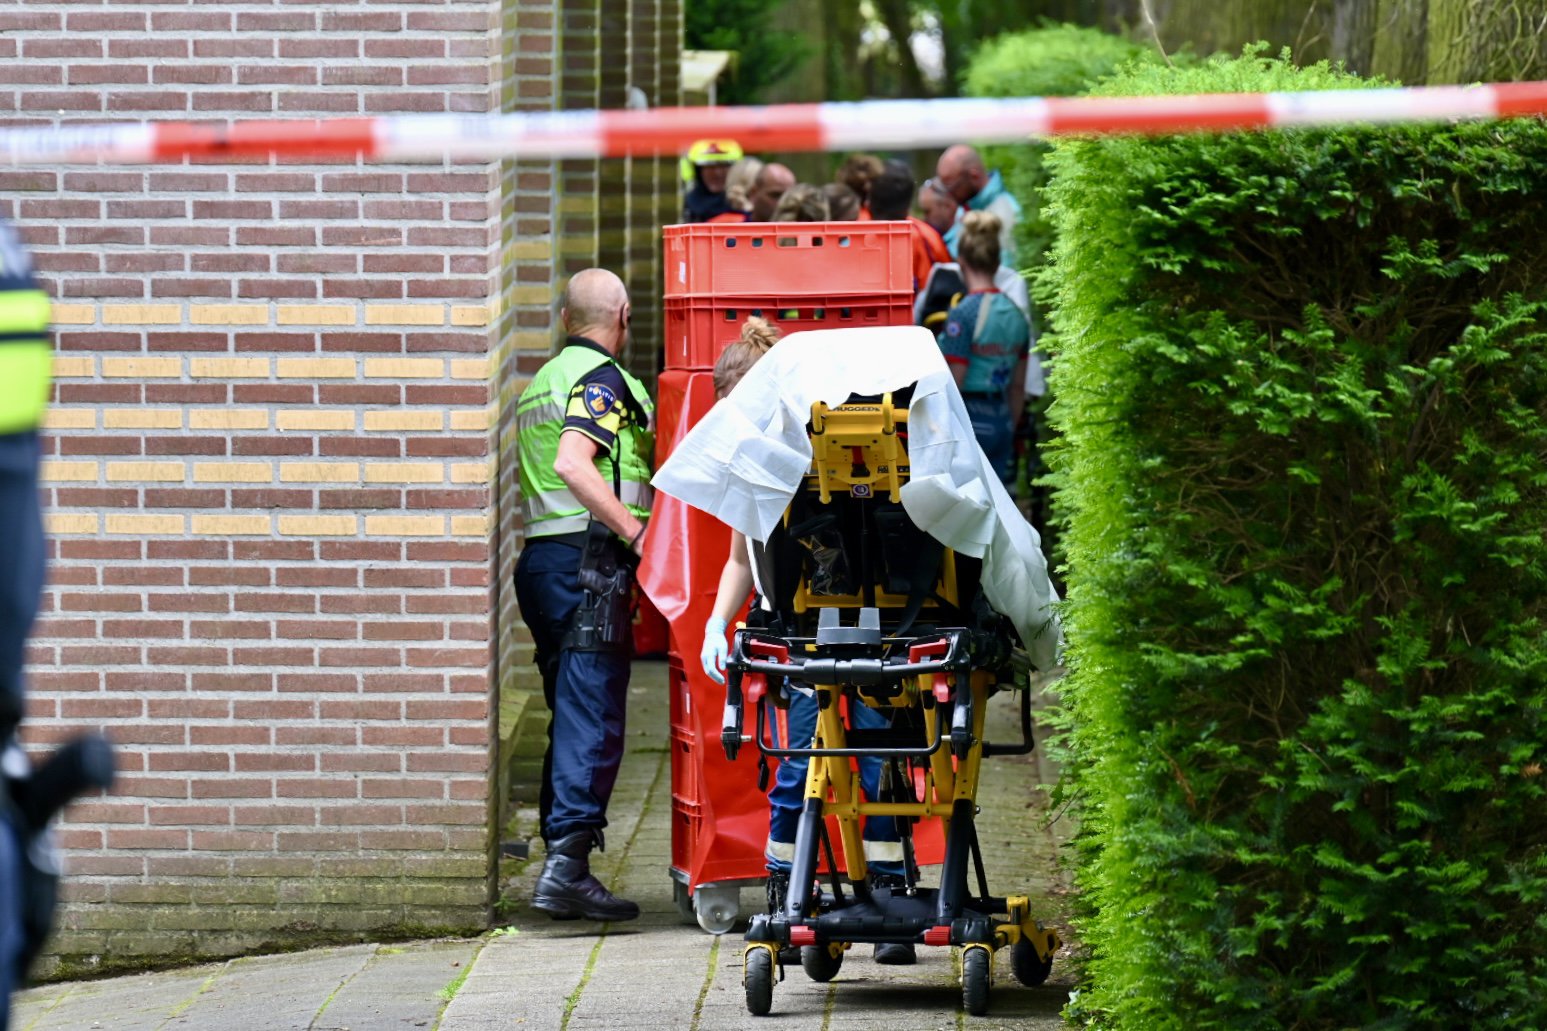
[655,972]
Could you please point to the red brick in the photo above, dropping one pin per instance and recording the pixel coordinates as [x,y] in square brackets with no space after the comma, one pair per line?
[205,603]
[318,576]
[141,576]
[186,393]
[271,497]
[363,289]
[274,551]
[179,497]
[208,787]
[337,736]
[156,47]
[231,629]
[188,549]
[278,655]
[399,630]
[188,708]
[99,74]
[320,787]
[381,604]
[233,681]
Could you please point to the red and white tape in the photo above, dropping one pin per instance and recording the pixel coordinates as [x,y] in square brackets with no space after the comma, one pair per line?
[788,127]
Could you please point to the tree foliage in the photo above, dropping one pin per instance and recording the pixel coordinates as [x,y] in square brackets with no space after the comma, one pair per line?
[1301,383]
[1051,61]
[764,55]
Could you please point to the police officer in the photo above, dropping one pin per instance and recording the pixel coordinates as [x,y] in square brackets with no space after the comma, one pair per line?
[584,443]
[24,379]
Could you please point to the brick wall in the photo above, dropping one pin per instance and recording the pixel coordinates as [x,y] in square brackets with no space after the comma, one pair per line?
[281,526]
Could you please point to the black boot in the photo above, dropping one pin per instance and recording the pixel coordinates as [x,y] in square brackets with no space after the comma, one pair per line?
[566,890]
[895,954]
[778,891]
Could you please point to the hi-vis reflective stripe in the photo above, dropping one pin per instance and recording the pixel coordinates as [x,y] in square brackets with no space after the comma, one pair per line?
[883,851]
[554,503]
[877,124]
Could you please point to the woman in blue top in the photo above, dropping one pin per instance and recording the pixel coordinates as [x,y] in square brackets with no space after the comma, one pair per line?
[986,341]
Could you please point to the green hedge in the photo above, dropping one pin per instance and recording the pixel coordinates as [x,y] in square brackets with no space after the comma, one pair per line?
[1301,381]
[1054,61]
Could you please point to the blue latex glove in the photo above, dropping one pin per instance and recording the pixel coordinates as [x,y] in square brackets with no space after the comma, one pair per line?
[715,651]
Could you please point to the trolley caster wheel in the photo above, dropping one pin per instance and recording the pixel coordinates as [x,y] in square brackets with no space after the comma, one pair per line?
[975,967]
[821,962]
[1029,968]
[717,906]
[757,976]
[684,902]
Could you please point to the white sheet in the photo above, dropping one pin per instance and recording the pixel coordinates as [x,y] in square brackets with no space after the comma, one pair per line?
[745,459]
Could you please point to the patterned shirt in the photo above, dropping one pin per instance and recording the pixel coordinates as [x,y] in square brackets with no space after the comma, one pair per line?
[599,405]
[992,357]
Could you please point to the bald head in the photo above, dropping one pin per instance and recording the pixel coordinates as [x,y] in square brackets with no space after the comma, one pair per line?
[767,189]
[596,306]
[962,172]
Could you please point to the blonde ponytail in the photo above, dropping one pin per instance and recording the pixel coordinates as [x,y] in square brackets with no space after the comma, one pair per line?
[978,248]
[757,336]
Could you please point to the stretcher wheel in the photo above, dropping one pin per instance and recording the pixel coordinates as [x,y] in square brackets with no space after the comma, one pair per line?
[1029,968]
[975,963]
[684,901]
[717,906]
[758,978]
[821,962]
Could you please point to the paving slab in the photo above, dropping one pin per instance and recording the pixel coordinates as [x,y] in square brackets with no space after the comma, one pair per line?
[653,973]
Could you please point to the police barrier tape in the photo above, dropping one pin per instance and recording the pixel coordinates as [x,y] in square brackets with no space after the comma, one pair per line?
[882,124]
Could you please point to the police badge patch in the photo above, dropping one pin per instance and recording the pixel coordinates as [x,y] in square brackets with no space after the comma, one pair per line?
[599,399]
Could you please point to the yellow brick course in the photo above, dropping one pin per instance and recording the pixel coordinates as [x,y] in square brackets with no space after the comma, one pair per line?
[405,526]
[470,368]
[55,471]
[477,419]
[404,472]
[142,314]
[534,340]
[409,420]
[405,315]
[319,472]
[148,524]
[532,250]
[470,526]
[69,522]
[79,365]
[315,420]
[405,368]
[151,472]
[533,294]
[69,419]
[233,472]
[232,525]
[318,525]
[316,368]
[471,472]
[316,315]
[72,314]
[461,316]
[142,418]
[229,314]
[229,368]
[228,419]
[142,368]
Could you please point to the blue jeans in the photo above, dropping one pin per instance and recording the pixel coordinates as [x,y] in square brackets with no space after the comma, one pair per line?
[992,425]
[788,795]
[586,692]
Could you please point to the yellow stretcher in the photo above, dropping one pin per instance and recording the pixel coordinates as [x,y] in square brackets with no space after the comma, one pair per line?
[868,610]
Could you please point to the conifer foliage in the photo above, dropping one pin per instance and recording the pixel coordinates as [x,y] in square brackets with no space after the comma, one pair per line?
[1301,384]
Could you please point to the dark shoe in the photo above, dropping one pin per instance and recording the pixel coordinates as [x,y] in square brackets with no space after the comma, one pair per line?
[893,954]
[778,890]
[566,890]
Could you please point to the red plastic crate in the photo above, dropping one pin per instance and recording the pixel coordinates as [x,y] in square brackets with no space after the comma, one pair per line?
[698,328]
[782,258]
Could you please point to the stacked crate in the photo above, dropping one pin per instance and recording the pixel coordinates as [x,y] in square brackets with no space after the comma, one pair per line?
[798,276]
